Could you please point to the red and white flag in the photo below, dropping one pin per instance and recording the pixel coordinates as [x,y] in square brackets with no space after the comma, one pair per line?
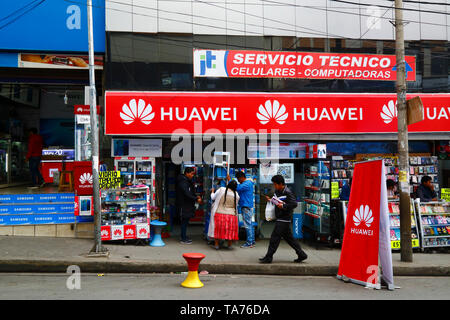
[366,235]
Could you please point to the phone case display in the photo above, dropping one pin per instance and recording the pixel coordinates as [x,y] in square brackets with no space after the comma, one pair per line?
[423,166]
[125,213]
[418,167]
[342,171]
[394,220]
[137,171]
[434,220]
[317,198]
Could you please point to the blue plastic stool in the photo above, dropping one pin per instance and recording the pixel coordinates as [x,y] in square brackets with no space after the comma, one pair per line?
[156,239]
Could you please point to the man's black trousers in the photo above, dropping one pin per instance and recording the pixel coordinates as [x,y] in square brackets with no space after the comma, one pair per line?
[282,230]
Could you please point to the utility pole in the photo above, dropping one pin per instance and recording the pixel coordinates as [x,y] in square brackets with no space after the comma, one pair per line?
[97,248]
[405,201]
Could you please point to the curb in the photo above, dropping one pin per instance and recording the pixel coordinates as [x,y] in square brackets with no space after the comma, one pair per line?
[60,266]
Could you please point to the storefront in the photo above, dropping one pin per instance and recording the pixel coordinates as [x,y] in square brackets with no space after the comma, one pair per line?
[315,137]
[42,78]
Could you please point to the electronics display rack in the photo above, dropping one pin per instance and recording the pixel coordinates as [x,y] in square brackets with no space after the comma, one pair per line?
[394,221]
[434,220]
[125,213]
[317,200]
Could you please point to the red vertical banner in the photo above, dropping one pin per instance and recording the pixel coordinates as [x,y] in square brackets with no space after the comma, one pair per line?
[359,254]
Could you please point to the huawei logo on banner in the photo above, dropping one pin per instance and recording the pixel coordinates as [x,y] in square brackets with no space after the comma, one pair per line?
[364,214]
[140,111]
[86,178]
[105,233]
[389,112]
[270,111]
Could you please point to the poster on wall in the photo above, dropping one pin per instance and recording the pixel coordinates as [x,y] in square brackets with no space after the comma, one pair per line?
[268,170]
[137,148]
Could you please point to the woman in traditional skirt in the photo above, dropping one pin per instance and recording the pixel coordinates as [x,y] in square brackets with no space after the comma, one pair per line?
[223,224]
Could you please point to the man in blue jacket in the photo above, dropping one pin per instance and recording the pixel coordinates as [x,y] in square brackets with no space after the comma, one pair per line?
[246,195]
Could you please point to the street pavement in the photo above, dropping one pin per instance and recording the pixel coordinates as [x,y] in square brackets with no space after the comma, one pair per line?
[255,288]
[42,254]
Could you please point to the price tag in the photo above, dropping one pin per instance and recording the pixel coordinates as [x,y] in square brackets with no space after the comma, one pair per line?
[396,244]
[335,190]
[445,194]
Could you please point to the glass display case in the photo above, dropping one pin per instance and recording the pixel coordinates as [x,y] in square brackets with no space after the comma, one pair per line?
[137,171]
[83,149]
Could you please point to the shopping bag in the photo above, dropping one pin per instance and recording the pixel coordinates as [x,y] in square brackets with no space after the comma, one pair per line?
[270,211]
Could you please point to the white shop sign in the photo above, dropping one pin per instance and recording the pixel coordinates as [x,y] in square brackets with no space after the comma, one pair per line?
[137,148]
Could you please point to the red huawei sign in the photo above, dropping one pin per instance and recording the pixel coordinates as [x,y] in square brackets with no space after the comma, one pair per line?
[157,113]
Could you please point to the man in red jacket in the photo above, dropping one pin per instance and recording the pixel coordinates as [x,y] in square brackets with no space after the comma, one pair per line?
[35,145]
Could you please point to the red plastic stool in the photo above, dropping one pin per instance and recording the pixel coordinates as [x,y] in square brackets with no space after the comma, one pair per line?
[193,260]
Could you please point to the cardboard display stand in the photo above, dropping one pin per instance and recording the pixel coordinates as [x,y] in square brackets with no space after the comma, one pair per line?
[366,235]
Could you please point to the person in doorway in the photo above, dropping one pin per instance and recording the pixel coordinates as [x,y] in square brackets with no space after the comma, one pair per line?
[345,191]
[185,200]
[391,190]
[223,223]
[283,214]
[246,195]
[425,192]
[34,155]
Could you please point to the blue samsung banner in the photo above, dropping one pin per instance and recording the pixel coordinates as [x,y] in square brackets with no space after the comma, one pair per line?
[50,25]
[36,198]
[37,208]
[32,219]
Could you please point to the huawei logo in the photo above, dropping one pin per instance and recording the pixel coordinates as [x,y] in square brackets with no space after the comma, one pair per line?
[105,233]
[140,111]
[273,111]
[86,178]
[389,112]
[363,214]
[129,232]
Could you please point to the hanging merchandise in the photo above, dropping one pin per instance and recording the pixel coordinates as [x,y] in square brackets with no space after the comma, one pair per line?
[317,200]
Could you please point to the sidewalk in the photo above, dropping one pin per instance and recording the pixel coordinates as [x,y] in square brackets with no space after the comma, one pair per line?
[40,254]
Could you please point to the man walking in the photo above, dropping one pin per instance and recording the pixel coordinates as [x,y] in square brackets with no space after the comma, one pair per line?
[185,200]
[245,191]
[283,214]
[34,154]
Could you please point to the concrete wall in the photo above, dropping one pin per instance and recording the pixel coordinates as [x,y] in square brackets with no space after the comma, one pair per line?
[84,230]
[300,18]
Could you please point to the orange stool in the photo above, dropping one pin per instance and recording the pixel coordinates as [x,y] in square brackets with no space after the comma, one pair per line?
[193,260]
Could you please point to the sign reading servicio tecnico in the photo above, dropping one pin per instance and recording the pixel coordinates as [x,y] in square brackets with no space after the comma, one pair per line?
[300,65]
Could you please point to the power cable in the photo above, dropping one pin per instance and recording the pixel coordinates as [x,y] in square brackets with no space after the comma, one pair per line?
[21,15]
[382,6]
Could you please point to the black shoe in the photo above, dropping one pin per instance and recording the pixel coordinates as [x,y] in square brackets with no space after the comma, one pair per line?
[301,257]
[265,260]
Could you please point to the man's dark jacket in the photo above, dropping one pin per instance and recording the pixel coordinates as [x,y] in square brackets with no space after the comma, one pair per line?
[425,194]
[185,196]
[290,203]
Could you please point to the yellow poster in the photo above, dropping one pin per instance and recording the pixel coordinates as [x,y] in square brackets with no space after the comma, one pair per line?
[335,190]
[109,179]
[445,194]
